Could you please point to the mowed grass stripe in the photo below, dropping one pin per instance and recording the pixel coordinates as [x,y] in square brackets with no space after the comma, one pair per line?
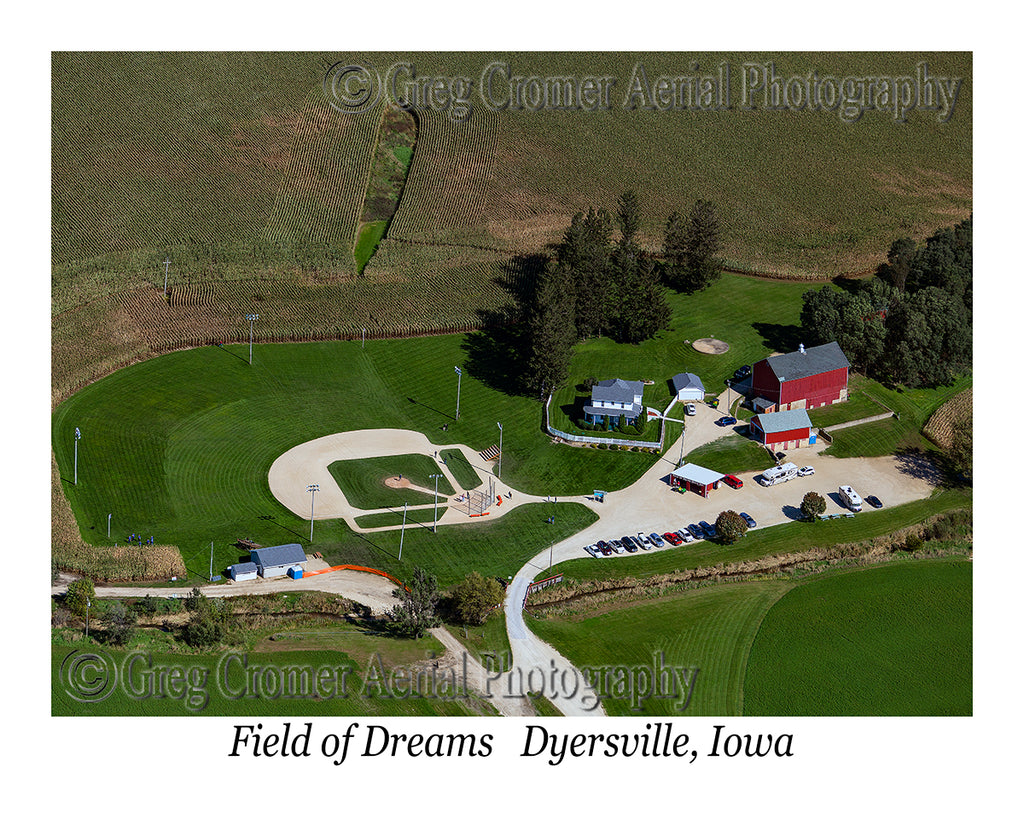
[709,629]
[886,640]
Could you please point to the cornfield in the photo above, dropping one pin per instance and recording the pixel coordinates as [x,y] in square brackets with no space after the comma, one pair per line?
[941,425]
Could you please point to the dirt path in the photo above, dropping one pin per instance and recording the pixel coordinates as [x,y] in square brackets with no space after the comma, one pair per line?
[479,680]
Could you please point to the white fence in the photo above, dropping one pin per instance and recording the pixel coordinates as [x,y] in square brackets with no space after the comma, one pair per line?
[587,439]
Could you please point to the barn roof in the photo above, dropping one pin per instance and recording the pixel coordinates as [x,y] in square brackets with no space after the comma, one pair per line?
[284,555]
[686,381]
[784,421]
[697,474]
[812,361]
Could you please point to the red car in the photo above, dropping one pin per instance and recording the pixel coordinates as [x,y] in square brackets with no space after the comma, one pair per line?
[672,538]
[733,481]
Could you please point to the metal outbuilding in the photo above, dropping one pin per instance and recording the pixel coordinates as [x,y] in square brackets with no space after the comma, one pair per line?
[275,561]
[242,571]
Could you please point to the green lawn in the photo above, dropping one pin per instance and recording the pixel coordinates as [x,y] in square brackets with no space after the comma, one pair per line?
[730,455]
[887,640]
[393,517]
[914,408]
[893,639]
[709,629]
[362,480]
[369,237]
[465,473]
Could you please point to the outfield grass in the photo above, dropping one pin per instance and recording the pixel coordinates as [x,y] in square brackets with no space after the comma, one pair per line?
[887,640]
[362,480]
[782,539]
[393,517]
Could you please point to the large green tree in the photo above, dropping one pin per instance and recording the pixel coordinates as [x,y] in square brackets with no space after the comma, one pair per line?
[585,255]
[928,339]
[475,597]
[729,527]
[691,248]
[417,610]
[551,331]
[812,505]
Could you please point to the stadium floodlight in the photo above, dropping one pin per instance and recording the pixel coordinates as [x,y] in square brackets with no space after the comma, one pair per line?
[435,477]
[78,435]
[313,488]
[501,433]
[252,318]
[458,392]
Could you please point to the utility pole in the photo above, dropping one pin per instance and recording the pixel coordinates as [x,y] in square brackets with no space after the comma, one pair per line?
[458,392]
[401,541]
[211,561]
[78,435]
[501,439]
[313,488]
[167,266]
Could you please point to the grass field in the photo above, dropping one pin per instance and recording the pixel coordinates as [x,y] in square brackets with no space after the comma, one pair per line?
[893,639]
[362,480]
[888,640]
[464,472]
[731,454]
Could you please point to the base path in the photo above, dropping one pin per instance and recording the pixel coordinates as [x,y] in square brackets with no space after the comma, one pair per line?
[307,464]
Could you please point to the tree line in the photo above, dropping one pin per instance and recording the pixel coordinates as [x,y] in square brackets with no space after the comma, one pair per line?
[910,324]
[597,284]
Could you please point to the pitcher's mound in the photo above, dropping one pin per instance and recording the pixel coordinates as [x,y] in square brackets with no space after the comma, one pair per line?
[396,482]
[711,346]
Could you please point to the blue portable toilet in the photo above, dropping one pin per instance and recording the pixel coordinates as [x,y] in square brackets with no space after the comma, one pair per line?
[295,572]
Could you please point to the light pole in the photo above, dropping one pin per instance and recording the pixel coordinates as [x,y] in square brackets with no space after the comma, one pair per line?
[252,318]
[88,605]
[167,266]
[313,488]
[458,392]
[401,541]
[108,524]
[435,477]
[78,434]
[501,438]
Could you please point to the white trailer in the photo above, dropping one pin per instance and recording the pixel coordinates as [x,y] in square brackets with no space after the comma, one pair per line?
[850,498]
[778,474]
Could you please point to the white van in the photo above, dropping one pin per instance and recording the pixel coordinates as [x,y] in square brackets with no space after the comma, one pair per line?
[778,474]
[850,498]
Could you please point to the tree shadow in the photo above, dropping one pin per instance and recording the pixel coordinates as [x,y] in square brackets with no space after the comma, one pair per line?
[783,338]
[933,467]
[497,353]
[792,512]
[274,520]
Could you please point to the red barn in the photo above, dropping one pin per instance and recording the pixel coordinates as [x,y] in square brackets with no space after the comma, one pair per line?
[805,379]
[782,430]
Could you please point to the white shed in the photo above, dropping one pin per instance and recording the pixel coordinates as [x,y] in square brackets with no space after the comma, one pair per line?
[687,387]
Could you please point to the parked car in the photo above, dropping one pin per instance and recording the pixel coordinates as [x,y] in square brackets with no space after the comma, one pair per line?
[629,545]
[618,546]
[751,523]
[592,550]
[727,421]
[605,548]
[643,538]
[685,536]
[707,529]
[873,501]
[696,531]
[742,372]
[636,542]
[656,539]
[804,471]
[672,538]
[690,409]
[733,481]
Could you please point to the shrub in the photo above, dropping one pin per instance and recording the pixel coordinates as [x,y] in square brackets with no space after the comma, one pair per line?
[812,505]
[78,596]
[475,597]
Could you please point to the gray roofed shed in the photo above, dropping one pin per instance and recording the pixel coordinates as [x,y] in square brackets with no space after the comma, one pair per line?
[274,556]
[784,421]
[686,381]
